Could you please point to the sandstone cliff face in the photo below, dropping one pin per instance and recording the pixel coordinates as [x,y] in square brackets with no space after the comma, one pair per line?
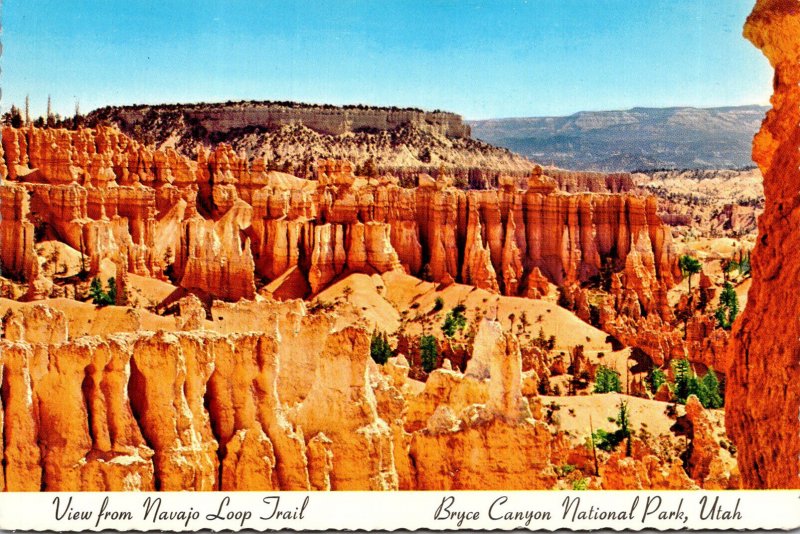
[218,223]
[497,240]
[17,254]
[200,410]
[129,412]
[763,395]
[214,258]
[444,452]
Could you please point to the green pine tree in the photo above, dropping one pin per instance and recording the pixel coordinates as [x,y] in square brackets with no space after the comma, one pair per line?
[608,441]
[709,390]
[112,290]
[689,266]
[686,381]
[728,308]
[429,353]
[99,296]
[682,373]
[379,348]
[623,424]
[455,321]
[607,380]
[655,378]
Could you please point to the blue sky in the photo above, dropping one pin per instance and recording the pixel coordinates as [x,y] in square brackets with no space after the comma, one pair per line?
[480,59]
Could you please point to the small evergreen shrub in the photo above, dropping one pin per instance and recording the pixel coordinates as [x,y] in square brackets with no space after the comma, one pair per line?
[608,441]
[728,307]
[709,393]
[655,378]
[580,484]
[99,296]
[607,380]
[455,321]
[379,348]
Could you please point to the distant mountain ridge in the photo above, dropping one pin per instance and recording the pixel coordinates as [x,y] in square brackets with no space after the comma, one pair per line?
[628,140]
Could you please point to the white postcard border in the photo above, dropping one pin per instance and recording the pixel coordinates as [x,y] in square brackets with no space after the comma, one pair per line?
[431,510]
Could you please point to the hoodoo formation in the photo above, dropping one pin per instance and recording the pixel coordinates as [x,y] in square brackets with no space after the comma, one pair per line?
[218,223]
[295,407]
[764,397]
[206,323]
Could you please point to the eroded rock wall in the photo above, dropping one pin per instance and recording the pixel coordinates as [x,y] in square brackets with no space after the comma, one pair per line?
[129,412]
[219,224]
[327,119]
[203,411]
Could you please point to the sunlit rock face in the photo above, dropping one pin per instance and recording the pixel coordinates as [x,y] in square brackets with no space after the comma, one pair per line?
[202,410]
[763,395]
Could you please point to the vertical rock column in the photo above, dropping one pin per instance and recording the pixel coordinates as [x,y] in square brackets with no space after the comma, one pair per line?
[167,387]
[17,252]
[763,396]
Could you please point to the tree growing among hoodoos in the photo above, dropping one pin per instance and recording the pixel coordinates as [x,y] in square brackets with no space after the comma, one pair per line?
[689,265]
[707,389]
[655,378]
[607,380]
[101,297]
[728,307]
[455,321]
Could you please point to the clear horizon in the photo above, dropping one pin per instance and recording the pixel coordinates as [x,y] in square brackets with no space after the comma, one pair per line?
[478,59]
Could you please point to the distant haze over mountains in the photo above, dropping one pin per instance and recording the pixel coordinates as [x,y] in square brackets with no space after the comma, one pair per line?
[639,138]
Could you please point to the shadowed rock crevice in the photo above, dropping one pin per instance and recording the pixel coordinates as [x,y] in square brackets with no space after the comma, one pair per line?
[138,404]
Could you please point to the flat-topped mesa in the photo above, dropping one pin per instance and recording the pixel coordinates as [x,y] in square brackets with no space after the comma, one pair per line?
[220,118]
[221,222]
[763,396]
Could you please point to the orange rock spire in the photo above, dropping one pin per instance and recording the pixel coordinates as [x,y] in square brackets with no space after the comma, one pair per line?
[763,393]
